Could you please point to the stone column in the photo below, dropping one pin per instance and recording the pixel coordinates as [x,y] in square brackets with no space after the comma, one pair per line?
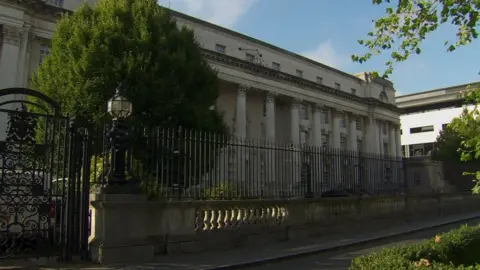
[22,60]
[12,40]
[352,133]
[270,117]
[295,151]
[295,122]
[398,140]
[378,137]
[373,138]
[10,51]
[317,125]
[241,112]
[337,117]
[392,141]
[317,163]
[271,186]
[241,164]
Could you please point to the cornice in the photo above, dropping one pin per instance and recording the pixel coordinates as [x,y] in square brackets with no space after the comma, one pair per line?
[291,79]
[41,6]
[12,35]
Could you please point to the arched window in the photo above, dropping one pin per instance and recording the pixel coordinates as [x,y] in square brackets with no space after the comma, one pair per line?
[383,97]
[303,112]
[303,137]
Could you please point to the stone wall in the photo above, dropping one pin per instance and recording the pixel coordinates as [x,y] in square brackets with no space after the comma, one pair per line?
[424,175]
[128,228]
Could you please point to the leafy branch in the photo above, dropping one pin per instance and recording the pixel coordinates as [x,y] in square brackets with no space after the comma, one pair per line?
[406,25]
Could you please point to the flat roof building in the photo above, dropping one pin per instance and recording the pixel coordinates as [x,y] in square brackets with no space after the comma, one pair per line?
[426,114]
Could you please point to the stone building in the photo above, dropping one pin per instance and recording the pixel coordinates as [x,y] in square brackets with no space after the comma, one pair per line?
[266,92]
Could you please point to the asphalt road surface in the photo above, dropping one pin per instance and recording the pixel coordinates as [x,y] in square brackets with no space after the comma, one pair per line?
[341,259]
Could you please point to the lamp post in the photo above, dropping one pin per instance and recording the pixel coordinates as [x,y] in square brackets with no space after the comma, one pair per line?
[119,108]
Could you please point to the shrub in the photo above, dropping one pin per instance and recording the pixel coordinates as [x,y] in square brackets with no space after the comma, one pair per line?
[457,249]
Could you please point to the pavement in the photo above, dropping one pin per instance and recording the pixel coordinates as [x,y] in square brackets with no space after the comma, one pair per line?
[341,259]
[266,254]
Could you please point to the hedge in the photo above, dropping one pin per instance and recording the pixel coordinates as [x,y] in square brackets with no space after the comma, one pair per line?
[456,249]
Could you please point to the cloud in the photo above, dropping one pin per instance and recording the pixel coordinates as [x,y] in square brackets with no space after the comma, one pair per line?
[222,12]
[325,53]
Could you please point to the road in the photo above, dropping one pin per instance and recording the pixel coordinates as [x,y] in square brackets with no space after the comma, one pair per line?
[341,259]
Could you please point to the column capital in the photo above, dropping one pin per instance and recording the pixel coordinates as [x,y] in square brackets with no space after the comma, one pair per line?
[270,98]
[242,89]
[319,107]
[296,103]
[12,35]
[353,117]
[338,112]
[394,125]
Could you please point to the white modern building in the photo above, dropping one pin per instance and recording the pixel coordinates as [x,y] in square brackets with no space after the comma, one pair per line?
[266,92]
[426,114]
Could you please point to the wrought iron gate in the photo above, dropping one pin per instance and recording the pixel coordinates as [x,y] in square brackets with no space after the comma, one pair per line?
[43,198]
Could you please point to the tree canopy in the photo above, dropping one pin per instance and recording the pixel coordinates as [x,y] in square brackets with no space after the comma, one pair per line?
[407,23]
[136,44]
[447,145]
[402,30]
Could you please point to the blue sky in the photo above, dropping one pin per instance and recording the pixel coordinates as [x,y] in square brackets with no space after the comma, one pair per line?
[328,30]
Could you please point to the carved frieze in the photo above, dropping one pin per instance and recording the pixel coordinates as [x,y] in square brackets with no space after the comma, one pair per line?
[12,35]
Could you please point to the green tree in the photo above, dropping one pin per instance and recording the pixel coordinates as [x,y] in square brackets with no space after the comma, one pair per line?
[407,24]
[447,145]
[134,43]
[402,30]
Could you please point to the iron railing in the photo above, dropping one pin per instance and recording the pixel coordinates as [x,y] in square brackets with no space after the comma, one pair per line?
[179,164]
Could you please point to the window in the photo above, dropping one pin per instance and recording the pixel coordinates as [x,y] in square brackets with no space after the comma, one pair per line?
[303,137]
[384,128]
[358,123]
[359,145]
[354,91]
[250,57]
[343,142]
[57,3]
[337,86]
[299,73]
[44,51]
[385,149]
[319,80]
[416,178]
[265,107]
[303,112]
[401,131]
[325,114]
[325,140]
[276,65]
[342,122]
[383,97]
[421,129]
[220,48]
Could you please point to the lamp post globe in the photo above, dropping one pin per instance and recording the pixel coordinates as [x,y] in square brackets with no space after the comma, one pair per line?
[119,107]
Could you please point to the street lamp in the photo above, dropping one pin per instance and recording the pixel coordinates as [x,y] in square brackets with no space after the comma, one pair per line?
[120,108]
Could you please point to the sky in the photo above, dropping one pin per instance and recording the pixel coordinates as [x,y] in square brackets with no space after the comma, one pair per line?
[327,31]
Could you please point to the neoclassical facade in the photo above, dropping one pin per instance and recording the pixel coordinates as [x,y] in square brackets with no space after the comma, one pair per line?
[267,93]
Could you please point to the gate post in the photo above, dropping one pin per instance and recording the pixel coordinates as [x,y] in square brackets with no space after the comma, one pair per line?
[78,184]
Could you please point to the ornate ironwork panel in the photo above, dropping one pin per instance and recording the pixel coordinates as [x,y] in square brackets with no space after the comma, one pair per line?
[34,159]
[24,187]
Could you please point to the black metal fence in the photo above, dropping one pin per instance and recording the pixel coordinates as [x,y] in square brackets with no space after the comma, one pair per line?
[179,164]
